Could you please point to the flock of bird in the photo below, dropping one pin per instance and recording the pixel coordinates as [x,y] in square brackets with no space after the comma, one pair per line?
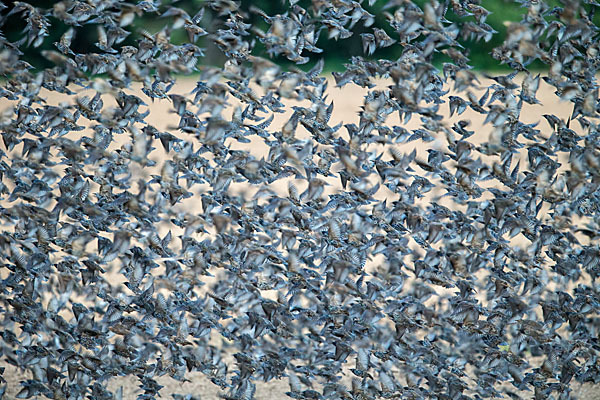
[365,288]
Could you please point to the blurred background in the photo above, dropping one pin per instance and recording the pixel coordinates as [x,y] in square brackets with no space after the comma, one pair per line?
[335,53]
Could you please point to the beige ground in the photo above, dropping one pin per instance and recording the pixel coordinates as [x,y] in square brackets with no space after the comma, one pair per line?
[346,106]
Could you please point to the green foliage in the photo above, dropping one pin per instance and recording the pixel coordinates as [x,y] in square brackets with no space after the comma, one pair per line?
[336,53]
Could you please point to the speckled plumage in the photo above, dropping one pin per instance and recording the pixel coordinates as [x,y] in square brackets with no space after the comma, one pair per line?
[378,273]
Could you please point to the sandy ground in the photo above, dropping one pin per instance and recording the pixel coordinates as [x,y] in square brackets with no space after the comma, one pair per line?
[347,102]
